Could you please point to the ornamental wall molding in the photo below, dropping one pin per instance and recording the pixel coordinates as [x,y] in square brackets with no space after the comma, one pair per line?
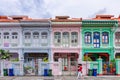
[66,50]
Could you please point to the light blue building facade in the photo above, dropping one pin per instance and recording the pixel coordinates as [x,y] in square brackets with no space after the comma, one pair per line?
[35,42]
[26,39]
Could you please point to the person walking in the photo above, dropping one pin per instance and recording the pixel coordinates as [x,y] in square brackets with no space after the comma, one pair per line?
[79,76]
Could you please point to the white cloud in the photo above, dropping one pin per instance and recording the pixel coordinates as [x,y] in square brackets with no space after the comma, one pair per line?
[101,11]
[48,8]
[82,8]
[32,8]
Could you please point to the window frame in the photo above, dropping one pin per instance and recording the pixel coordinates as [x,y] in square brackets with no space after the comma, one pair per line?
[6,35]
[36,35]
[14,35]
[57,37]
[88,38]
[65,39]
[96,39]
[74,37]
[104,36]
[43,38]
[27,35]
[117,38]
[27,39]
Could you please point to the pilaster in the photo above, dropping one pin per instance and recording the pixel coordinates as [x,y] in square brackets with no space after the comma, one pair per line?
[117,66]
[100,66]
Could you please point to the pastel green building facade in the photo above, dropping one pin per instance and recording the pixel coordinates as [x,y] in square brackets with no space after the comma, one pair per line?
[97,39]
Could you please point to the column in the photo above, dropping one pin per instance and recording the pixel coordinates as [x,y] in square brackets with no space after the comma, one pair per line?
[50,57]
[21,37]
[80,45]
[80,57]
[117,67]
[21,61]
[21,67]
[99,66]
[21,54]
[39,67]
[70,44]
[61,39]
[1,64]
[60,66]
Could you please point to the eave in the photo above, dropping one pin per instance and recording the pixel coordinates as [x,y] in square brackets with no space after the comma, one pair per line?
[99,23]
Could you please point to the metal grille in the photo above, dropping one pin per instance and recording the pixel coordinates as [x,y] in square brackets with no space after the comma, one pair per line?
[109,68]
[70,68]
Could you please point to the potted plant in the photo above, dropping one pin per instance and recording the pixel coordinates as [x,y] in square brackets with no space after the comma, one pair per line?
[28,69]
[4,54]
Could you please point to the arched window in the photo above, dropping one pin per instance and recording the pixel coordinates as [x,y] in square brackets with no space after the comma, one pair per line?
[88,38]
[105,38]
[6,39]
[36,40]
[57,37]
[44,38]
[65,39]
[74,38]
[14,35]
[6,35]
[44,35]
[14,39]
[36,35]
[27,39]
[96,39]
[117,38]
[27,35]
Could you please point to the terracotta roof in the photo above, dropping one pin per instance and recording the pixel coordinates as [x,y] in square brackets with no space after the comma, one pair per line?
[62,17]
[104,15]
[19,16]
[101,17]
[3,17]
[35,20]
[23,18]
[8,20]
[65,19]
[118,18]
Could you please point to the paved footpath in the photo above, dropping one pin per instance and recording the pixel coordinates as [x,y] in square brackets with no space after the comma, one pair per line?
[59,78]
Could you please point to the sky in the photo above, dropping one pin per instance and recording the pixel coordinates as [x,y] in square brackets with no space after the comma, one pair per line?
[52,8]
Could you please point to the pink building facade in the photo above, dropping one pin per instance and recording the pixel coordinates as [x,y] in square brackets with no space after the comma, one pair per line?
[66,41]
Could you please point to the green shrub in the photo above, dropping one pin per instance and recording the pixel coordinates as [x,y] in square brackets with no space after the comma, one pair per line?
[15,60]
[87,59]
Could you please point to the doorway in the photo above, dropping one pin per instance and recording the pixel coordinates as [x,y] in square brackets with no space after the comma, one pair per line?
[95,56]
[69,62]
[31,62]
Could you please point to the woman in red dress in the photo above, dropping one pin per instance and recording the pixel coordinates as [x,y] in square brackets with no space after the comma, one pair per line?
[79,71]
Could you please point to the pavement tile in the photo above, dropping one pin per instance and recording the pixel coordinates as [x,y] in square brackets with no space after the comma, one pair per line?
[59,78]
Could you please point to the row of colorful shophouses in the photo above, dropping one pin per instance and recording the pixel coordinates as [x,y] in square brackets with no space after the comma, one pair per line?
[59,44]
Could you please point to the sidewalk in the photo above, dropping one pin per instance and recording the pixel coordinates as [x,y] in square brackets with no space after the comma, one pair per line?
[59,78]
